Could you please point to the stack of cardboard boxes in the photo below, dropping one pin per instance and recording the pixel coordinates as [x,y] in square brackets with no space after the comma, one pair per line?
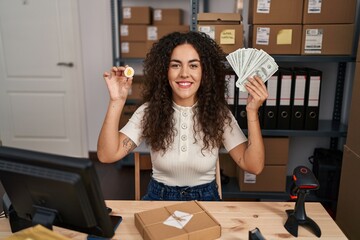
[142,25]
[273,176]
[225,28]
[303,27]
[348,209]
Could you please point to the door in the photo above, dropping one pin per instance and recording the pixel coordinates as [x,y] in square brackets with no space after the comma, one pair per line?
[41,93]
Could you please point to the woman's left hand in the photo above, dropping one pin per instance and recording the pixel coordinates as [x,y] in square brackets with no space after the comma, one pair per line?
[257,93]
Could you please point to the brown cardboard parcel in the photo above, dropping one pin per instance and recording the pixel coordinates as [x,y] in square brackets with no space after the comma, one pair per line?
[276,12]
[329,11]
[327,39]
[225,28]
[273,176]
[348,210]
[167,16]
[276,39]
[353,133]
[276,150]
[202,225]
[133,49]
[271,179]
[133,33]
[358,53]
[136,15]
[154,33]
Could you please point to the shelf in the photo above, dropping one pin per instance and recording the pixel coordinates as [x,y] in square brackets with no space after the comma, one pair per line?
[306,58]
[231,190]
[282,58]
[327,128]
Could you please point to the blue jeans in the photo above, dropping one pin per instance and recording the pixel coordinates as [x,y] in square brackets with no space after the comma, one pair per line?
[159,191]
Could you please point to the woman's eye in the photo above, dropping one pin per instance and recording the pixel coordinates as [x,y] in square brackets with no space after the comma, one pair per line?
[194,66]
[175,65]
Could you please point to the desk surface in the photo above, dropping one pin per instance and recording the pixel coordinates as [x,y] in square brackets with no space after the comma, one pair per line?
[236,219]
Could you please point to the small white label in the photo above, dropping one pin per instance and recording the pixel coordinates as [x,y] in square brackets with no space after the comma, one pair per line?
[314,6]
[125,48]
[178,219]
[152,33]
[209,30]
[313,40]
[249,177]
[263,6]
[157,15]
[262,36]
[127,12]
[124,30]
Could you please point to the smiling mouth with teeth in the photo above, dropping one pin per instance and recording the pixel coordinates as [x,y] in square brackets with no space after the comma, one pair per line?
[184,84]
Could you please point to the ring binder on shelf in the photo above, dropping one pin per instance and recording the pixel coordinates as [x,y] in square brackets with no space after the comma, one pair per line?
[271,103]
[284,109]
[312,99]
[298,99]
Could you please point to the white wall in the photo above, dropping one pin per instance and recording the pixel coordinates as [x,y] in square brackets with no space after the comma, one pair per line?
[95,24]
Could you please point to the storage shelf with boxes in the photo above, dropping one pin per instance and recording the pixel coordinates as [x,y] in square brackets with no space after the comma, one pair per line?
[285,32]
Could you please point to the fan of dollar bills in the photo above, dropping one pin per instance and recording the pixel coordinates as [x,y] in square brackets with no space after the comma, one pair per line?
[248,62]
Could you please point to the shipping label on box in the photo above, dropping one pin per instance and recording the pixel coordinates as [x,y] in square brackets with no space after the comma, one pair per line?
[313,41]
[275,12]
[271,179]
[329,12]
[327,39]
[188,220]
[136,15]
[276,38]
[167,16]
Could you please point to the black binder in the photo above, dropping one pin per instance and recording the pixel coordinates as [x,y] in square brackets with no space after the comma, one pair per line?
[230,96]
[284,95]
[298,99]
[271,103]
[312,99]
[241,109]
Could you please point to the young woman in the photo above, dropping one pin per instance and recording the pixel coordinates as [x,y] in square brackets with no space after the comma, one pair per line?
[184,120]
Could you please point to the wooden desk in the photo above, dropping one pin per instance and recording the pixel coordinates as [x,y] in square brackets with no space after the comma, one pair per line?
[236,219]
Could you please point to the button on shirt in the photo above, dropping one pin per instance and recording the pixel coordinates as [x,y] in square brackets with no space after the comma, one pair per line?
[184,163]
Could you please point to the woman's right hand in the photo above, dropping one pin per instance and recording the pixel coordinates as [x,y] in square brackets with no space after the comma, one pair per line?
[117,83]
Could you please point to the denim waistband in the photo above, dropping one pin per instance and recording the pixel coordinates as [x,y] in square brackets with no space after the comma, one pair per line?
[203,192]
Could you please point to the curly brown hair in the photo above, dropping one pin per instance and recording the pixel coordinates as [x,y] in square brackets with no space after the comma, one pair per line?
[211,112]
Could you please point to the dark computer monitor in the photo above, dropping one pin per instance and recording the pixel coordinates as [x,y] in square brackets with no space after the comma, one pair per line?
[50,189]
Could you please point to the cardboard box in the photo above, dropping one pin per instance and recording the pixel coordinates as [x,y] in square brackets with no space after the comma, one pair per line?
[154,33]
[135,92]
[348,208]
[275,12]
[136,15]
[133,49]
[358,52]
[202,225]
[271,179]
[353,133]
[126,114]
[273,176]
[329,12]
[167,16]
[133,33]
[225,28]
[276,39]
[327,39]
[276,151]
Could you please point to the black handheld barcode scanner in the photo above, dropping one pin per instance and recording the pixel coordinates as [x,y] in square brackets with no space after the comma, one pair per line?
[304,182]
